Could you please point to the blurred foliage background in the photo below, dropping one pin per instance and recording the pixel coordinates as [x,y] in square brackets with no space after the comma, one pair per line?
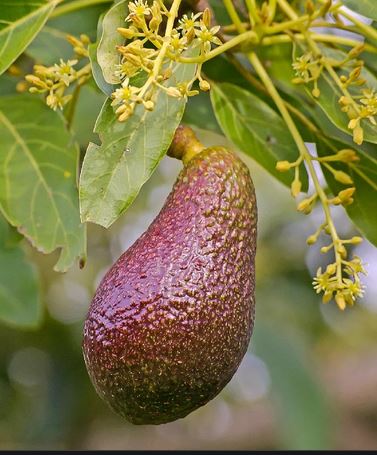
[307,382]
[309,379]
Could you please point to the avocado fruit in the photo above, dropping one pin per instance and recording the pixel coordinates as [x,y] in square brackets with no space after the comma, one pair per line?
[171,320]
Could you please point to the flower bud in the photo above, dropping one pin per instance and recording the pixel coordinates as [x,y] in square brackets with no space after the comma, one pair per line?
[14,70]
[149,105]
[356,51]
[342,177]
[283,166]
[35,80]
[345,196]
[331,269]
[356,240]
[311,239]
[316,92]
[21,86]
[325,249]
[126,32]
[340,301]
[190,36]
[295,188]
[85,39]
[305,206]
[204,85]
[298,80]
[347,156]
[344,100]
[358,135]
[341,249]
[173,91]
[327,296]
[73,41]
[206,18]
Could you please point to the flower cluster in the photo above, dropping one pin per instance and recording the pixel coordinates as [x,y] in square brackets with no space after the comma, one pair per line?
[308,69]
[332,282]
[344,290]
[150,53]
[357,101]
[365,109]
[55,80]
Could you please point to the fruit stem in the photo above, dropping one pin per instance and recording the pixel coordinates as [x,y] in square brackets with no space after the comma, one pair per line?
[185,144]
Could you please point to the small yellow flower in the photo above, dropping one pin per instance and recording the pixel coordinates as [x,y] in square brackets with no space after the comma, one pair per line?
[207,36]
[125,94]
[138,8]
[188,23]
[65,71]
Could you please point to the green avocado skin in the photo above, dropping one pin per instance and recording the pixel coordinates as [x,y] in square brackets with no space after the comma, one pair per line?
[172,319]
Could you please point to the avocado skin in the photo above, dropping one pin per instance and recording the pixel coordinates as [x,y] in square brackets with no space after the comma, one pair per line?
[172,319]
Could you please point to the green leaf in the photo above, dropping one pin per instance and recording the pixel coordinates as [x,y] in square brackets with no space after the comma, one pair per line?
[20,21]
[366,8]
[330,94]
[113,173]
[304,411]
[20,303]
[199,113]
[220,69]
[254,128]
[38,164]
[106,88]
[363,211]
[88,106]
[107,55]
[278,61]
[51,43]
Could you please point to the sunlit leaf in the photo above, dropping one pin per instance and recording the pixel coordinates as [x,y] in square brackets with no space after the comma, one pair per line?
[38,164]
[20,21]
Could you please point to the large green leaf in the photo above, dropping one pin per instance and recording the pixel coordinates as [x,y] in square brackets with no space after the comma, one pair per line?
[301,404]
[367,8]
[20,21]
[255,128]
[20,303]
[113,173]
[38,164]
[107,55]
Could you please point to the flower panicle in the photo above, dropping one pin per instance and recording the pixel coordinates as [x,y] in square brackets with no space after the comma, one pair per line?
[150,51]
[53,81]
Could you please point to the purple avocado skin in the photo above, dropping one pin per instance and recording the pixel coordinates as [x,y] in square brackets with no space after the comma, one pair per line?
[172,319]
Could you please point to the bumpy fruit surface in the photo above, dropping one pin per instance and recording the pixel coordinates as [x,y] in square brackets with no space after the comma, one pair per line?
[172,319]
